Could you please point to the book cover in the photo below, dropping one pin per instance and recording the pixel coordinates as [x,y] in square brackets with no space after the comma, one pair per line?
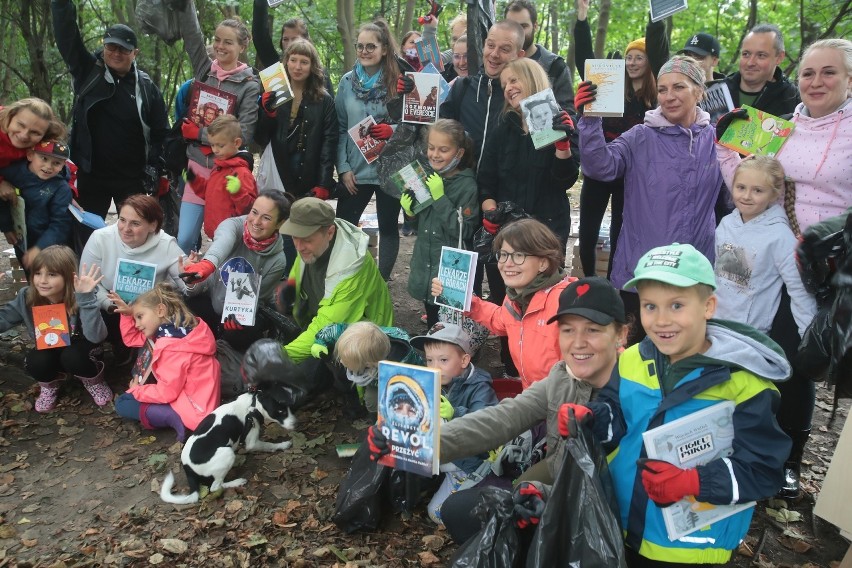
[412,179]
[717,101]
[688,442]
[51,326]
[420,106]
[133,278]
[346,450]
[664,8]
[141,371]
[456,272]
[409,401]
[274,78]
[370,147]
[608,75]
[762,134]
[428,52]
[206,103]
[538,111]
[274,3]
[443,86]
[241,294]
[86,217]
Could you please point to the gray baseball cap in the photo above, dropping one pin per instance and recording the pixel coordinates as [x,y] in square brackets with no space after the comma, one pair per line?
[446,332]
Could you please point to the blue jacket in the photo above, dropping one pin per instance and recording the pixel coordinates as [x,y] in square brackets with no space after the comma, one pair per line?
[48,219]
[469,392]
[740,365]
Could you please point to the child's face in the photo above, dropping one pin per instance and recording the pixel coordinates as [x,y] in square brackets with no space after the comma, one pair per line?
[441,150]
[224,148]
[675,318]
[49,284]
[541,117]
[447,358]
[43,166]
[752,193]
[147,319]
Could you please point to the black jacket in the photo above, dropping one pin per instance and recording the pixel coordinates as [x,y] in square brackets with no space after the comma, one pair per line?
[93,83]
[315,135]
[512,169]
[476,101]
[778,97]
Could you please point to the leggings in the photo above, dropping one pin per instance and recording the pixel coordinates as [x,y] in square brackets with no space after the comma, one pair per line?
[75,360]
[350,207]
[798,393]
[594,197]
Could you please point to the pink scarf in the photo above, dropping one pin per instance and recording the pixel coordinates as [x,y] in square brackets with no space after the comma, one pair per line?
[221,74]
[254,244]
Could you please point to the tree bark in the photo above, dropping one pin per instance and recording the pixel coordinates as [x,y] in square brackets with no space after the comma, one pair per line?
[346,27]
[603,24]
[408,18]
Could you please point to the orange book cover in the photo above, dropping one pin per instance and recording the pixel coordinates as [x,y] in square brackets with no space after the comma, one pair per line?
[51,326]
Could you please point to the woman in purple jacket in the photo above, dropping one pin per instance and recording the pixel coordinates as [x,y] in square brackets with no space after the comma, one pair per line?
[671,178]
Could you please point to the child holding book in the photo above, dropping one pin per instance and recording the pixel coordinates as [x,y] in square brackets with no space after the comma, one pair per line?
[55,280]
[186,382]
[453,215]
[231,188]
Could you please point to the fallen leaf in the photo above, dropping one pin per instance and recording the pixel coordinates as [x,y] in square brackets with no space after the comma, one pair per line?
[428,559]
[8,531]
[279,518]
[29,542]
[173,545]
[784,515]
[146,441]
[155,459]
[321,552]
[433,542]
[156,558]
[254,540]
[318,474]
[234,506]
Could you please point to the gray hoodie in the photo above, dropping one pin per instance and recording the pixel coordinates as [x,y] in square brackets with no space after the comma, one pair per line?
[89,315]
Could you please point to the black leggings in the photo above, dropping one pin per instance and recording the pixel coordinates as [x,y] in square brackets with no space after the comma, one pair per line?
[594,196]
[350,207]
[43,365]
[798,393]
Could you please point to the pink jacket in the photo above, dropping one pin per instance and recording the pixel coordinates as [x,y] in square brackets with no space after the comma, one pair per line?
[533,343]
[187,371]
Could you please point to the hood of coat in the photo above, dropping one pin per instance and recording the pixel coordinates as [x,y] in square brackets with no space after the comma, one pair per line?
[200,341]
[774,215]
[654,119]
[127,252]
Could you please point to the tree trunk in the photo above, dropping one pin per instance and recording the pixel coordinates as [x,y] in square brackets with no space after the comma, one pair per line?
[603,24]
[346,27]
[554,26]
[408,18]
[34,19]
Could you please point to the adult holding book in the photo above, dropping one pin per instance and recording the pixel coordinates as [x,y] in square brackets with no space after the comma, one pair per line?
[224,72]
[670,181]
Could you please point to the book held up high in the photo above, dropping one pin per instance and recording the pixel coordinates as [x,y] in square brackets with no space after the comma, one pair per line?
[429,52]
[274,78]
[420,106]
[409,403]
[456,272]
[51,326]
[608,75]
[763,134]
[661,9]
[133,278]
[369,147]
[242,290]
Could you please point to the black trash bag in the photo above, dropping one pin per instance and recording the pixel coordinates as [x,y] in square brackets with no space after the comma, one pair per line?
[174,150]
[498,543]
[230,361]
[840,369]
[160,17]
[359,500]
[283,329]
[170,204]
[579,526]
[814,354]
[266,362]
[506,212]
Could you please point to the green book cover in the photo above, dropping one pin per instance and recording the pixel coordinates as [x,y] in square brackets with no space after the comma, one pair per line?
[762,134]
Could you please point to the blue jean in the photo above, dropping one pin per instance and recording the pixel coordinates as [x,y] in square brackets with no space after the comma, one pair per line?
[127,406]
[189,227]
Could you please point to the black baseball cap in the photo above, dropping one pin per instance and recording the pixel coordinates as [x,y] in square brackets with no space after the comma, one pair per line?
[121,35]
[701,44]
[593,298]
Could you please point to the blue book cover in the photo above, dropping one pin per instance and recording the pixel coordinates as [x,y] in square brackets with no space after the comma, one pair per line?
[133,278]
[443,86]
[428,52]
[456,273]
[87,217]
[409,404]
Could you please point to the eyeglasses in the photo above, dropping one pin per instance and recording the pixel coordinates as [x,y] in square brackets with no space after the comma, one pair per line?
[366,48]
[112,48]
[460,57]
[518,258]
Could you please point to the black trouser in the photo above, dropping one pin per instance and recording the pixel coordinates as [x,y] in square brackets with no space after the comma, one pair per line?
[798,393]
[594,196]
[95,194]
[43,365]
[350,207]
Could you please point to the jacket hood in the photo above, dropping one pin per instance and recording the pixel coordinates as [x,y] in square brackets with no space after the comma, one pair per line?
[127,252]
[239,160]
[200,341]
[472,376]
[741,346]
[654,119]
[347,256]
[241,76]
[774,215]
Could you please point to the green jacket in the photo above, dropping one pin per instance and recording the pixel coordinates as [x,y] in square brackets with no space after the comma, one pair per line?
[439,225]
[354,290]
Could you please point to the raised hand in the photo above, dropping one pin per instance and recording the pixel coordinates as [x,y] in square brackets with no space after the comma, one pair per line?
[88,280]
[586,93]
[121,306]
[437,287]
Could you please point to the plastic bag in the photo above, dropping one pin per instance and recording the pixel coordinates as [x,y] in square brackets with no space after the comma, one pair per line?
[579,526]
[402,148]
[506,212]
[267,172]
[359,500]
[160,17]
[814,355]
[478,333]
[266,362]
[497,544]
[230,361]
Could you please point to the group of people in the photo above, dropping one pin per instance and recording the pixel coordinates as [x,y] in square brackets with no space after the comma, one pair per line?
[697,232]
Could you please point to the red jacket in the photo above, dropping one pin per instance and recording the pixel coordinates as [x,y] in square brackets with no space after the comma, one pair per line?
[187,371]
[218,203]
[533,343]
[9,153]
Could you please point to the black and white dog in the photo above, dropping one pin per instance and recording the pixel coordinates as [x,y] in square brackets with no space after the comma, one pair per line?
[210,452]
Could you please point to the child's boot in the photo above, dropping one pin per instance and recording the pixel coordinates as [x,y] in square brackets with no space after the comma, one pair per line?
[46,400]
[793,465]
[97,387]
[154,416]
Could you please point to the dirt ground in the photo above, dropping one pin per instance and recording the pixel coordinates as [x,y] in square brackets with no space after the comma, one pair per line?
[78,487]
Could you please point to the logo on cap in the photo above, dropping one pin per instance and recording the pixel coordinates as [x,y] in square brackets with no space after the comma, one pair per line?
[667,258]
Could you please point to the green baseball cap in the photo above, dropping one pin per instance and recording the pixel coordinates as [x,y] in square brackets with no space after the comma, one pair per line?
[675,264]
[307,216]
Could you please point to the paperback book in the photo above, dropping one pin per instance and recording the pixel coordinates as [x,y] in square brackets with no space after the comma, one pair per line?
[411,179]
[428,51]
[688,442]
[443,86]
[133,278]
[717,101]
[762,134]
[409,403]
[608,75]
[206,103]
[369,147]
[51,326]
[661,9]
[141,371]
[539,110]
[86,217]
[274,78]
[420,106]
[242,290]
[456,272]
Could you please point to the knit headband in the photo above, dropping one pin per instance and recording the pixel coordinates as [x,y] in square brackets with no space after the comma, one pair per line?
[635,44]
[685,65]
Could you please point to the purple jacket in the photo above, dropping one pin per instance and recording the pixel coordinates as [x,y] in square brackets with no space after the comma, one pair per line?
[671,182]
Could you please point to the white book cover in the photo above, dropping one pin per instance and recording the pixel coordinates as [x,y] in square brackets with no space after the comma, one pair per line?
[242,290]
[133,278]
[456,272]
[539,110]
[608,75]
[688,442]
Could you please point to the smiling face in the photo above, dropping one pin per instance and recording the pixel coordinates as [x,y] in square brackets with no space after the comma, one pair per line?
[147,320]
[298,68]
[26,129]
[824,81]
[589,349]
[262,220]
[752,193]
[675,318]
[519,276]
[758,60]
[43,166]
[226,47]
[441,150]
[118,58]
[447,358]
[49,284]
[132,228]
[514,89]
[500,48]
[637,63]
[370,50]
[678,96]
[460,58]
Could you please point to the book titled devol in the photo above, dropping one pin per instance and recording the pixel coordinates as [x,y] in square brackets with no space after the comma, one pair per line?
[608,75]
[456,272]
[242,290]
[762,134]
[51,326]
[409,401]
[133,278]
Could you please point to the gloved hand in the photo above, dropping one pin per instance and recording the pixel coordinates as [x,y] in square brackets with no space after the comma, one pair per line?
[162,186]
[665,483]
[319,193]
[377,443]
[285,296]
[271,100]
[435,10]
[150,180]
[318,350]
[407,203]
[233,184]
[189,130]
[529,501]
[446,410]
[563,123]
[570,412]
[490,226]
[231,324]
[586,93]
[725,120]
[405,84]
[381,131]
[436,186]
[197,272]
[614,55]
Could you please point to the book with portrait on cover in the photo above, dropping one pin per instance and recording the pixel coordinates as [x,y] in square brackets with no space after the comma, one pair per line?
[456,271]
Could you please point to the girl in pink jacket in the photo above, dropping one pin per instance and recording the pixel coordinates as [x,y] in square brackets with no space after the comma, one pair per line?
[176,378]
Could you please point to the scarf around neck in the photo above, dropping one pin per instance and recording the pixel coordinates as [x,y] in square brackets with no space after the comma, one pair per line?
[254,244]
[221,74]
[523,296]
[366,87]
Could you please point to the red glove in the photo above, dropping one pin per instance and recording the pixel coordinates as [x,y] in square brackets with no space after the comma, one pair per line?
[377,443]
[586,93]
[381,131]
[267,102]
[665,483]
[490,227]
[319,193]
[197,272]
[162,186]
[570,412]
[190,130]
[405,84]
[562,122]
[435,10]
[231,324]
[529,504]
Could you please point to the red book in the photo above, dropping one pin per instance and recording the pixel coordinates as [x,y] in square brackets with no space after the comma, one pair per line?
[51,326]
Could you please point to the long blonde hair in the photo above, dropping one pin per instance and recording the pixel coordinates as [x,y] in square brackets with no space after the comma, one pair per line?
[63,261]
[781,184]
[55,129]
[167,295]
[531,75]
